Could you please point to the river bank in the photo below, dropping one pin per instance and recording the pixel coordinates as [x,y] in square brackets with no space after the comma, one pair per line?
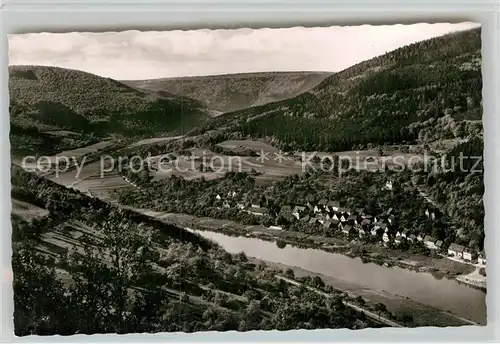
[427,300]
[439,266]
[405,310]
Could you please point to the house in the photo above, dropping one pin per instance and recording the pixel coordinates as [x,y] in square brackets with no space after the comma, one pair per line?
[405,233]
[386,237]
[456,250]
[313,221]
[321,206]
[398,239]
[276,227]
[430,214]
[380,226]
[365,223]
[343,217]
[321,219]
[298,212]
[334,222]
[421,237]
[218,197]
[469,254]
[240,205]
[430,242]
[351,219]
[482,258]
[439,245]
[336,216]
[256,205]
[374,231]
[389,185]
[258,211]
[341,225]
[332,206]
[348,229]
[411,238]
[328,224]
[391,219]
[347,211]
[398,233]
[310,206]
[361,232]
[231,194]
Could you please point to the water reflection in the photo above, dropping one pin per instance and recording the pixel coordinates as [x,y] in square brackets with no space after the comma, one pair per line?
[433,290]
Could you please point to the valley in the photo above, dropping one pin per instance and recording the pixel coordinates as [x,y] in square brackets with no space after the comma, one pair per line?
[260,201]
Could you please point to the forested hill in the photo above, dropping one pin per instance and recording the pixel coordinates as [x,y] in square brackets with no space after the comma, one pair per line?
[56,98]
[425,91]
[233,92]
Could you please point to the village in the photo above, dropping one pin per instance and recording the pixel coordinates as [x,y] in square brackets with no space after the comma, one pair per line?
[356,225]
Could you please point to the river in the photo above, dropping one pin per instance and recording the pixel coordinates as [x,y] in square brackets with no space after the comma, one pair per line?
[445,294]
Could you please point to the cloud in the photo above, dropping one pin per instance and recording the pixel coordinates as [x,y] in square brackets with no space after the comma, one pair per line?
[144,55]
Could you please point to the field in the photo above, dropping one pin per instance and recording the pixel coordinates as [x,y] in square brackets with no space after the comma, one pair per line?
[90,181]
[268,168]
[154,140]
[79,152]
[242,145]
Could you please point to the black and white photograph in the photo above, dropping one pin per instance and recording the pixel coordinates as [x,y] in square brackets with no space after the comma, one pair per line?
[247,179]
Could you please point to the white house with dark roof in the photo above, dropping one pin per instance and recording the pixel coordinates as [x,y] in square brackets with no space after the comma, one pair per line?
[469,254]
[456,250]
[332,206]
[313,221]
[258,211]
[361,232]
[351,219]
[391,219]
[298,212]
[389,185]
[386,237]
[481,259]
[430,242]
[347,229]
[328,224]
[421,237]
[398,239]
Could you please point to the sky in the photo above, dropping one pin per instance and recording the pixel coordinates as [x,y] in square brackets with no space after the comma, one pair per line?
[132,55]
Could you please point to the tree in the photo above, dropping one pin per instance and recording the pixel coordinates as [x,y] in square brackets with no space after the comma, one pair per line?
[39,300]
[380,308]
[106,275]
